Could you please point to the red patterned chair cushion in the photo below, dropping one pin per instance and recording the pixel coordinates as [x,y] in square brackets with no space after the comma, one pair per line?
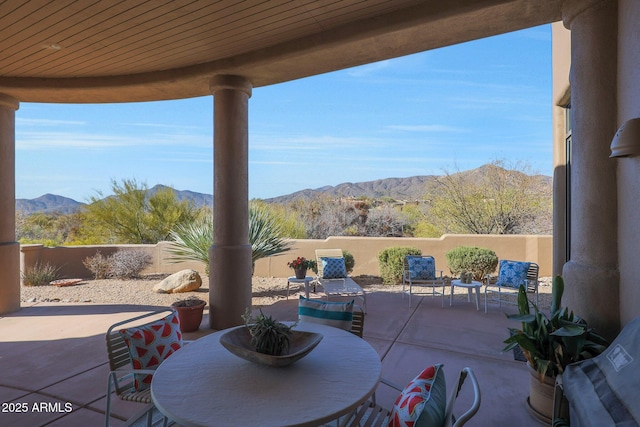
[422,402]
[150,344]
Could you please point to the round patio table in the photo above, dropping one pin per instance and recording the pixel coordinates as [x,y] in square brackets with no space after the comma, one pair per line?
[470,286]
[203,384]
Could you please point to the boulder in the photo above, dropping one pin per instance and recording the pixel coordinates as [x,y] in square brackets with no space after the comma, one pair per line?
[182,281]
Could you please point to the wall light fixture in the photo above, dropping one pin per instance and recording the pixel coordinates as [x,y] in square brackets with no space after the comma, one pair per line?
[626,142]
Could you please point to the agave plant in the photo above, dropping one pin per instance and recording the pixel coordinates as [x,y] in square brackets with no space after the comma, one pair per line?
[551,343]
[192,242]
[268,336]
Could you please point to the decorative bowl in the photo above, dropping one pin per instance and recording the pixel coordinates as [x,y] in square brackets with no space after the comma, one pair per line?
[238,342]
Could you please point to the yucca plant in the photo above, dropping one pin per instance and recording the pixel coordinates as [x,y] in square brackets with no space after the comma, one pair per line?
[191,242]
[265,234]
[551,343]
[268,336]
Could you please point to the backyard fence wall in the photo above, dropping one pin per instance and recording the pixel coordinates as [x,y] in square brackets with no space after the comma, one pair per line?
[365,251]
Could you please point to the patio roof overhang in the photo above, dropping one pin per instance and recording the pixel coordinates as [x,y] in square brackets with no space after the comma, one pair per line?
[74,51]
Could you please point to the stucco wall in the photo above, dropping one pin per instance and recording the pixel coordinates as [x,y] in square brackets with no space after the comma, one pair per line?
[365,250]
[628,169]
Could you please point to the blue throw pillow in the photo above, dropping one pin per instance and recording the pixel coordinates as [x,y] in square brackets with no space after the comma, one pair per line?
[422,268]
[333,268]
[513,273]
[330,313]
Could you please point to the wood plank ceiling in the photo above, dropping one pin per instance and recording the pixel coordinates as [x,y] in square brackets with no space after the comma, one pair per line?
[83,50]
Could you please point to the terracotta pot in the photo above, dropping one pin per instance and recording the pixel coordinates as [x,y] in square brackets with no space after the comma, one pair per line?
[540,400]
[190,316]
[301,273]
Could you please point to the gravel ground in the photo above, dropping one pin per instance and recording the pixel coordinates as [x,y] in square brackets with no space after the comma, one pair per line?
[266,291]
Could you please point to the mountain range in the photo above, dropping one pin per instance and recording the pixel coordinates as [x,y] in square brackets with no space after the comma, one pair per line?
[411,188]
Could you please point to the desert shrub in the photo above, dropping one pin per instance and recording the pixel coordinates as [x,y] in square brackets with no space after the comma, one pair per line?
[391,262]
[479,261]
[349,261]
[128,263]
[40,274]
[124,264]
[98,265]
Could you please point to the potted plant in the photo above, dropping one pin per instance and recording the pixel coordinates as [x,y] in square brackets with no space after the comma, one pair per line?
[190,311]
[300,266]
[268,336]
[550,344]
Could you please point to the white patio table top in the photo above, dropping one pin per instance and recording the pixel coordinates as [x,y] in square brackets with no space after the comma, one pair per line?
[203,384]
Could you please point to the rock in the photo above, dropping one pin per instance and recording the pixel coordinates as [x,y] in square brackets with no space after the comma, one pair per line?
[182,281]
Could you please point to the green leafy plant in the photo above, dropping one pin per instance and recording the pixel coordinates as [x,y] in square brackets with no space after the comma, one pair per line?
[349,261]
[190,301]
[267,335]
[302,262]
[479,261]
[551,343]
[192,242]
[40,274]
[265,233]
[391,262]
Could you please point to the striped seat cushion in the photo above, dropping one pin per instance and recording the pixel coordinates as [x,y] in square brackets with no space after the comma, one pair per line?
[330,313]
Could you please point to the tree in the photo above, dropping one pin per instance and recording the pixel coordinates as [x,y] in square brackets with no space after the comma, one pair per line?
[290,224]
[134,215]
[386,221]
[323,217]
[491,200]
[50,229]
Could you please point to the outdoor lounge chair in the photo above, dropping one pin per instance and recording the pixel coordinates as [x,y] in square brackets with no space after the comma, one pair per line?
[125,340]
[332,276]
[438,409]
[421,271]
[511,275]
[343,315]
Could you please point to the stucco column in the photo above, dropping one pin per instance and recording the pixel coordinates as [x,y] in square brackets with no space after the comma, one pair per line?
[230,256]
[591,276]
[9,248]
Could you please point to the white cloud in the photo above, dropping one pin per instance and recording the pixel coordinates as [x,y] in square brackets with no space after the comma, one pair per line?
[20,121]
[426,128]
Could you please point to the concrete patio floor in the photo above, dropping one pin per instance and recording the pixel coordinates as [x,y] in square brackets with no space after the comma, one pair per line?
[54,352]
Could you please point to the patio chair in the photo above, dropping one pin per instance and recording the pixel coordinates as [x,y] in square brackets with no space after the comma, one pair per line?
[511,275]
[421,271]
[332,276]
[423,399]
[135,350]
[343,315]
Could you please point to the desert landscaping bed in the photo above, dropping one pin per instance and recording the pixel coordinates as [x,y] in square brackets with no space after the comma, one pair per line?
[266,291]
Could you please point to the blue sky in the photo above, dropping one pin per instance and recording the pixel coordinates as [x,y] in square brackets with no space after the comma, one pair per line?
[457,107]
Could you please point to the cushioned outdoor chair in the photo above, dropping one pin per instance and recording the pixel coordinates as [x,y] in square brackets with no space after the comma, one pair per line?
[422,402]
[421,271]
[332,276]
[135,350]
[511,274]
[342,315]
[603,390]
